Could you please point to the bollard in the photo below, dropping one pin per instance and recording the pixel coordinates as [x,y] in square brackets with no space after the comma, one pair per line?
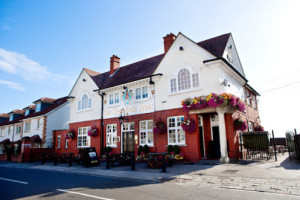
[43,158]
[55,159]
[133,162]
[70,159]
[163,167]
[107,162]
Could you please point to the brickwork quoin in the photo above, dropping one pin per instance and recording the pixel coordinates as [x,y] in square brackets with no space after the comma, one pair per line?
[191,149]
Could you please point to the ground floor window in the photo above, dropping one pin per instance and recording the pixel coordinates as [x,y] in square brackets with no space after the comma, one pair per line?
[176,136]
[146,132]
[66,143]
[83,140]
[111,135]
[58,141]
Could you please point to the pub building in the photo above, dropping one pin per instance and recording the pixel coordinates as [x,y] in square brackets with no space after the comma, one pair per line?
[123,105]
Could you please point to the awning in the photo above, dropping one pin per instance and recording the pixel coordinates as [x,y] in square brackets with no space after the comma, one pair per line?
[36,139]
[6,141]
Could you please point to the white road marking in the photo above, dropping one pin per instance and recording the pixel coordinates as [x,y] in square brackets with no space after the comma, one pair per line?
[87,195]
[11,180]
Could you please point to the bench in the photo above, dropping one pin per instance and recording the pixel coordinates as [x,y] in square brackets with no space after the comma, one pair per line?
[121,158]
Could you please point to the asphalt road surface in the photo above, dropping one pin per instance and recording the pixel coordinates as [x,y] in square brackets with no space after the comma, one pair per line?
[17,183]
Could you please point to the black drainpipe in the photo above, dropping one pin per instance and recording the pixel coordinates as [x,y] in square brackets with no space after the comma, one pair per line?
[102,122]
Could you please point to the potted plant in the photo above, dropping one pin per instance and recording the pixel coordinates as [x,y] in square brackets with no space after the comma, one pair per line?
[159,127]
[240,124]
[189,125]
[71,135]
[259,128]
[93,131]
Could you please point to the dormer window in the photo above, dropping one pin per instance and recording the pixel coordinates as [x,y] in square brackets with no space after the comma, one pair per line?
[38,107]
[184,81]
[85,103]
[26,112]
[11,117]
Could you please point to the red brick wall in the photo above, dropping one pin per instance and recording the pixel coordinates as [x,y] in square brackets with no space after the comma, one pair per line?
[191,150]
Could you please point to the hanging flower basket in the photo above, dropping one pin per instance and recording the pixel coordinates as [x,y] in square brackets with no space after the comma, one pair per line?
[189,125]
[259,128]
[159,127]
[70,135]
[93,131]
[240,124]
[213,100]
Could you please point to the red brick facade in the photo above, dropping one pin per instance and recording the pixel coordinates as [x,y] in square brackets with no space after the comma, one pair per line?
[191,150]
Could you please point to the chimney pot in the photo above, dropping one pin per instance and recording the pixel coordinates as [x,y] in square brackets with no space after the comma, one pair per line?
[114,64]
[168,41]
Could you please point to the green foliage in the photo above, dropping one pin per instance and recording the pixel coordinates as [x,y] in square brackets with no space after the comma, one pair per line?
[170,149]
[146,149]
[176,149]
[140,149]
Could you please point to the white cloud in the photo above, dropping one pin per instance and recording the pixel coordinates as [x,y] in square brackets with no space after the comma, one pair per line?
[12,85]
[15,63]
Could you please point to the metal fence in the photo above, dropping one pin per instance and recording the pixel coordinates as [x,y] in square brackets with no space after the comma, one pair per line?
[293,143]
[257,146]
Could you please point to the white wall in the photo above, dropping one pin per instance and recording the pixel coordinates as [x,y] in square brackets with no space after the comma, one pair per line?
[191,58]
[133,106]
[80,88]
[57,120]
[33,127]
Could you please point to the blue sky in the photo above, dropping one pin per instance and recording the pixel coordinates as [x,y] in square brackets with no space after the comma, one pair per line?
[45,44]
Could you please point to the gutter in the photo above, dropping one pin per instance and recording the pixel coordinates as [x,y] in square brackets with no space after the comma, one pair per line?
[159,74]
[229,64]
[102,122]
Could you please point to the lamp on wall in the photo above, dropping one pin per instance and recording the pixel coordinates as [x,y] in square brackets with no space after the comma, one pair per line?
[122,116]
[213,118]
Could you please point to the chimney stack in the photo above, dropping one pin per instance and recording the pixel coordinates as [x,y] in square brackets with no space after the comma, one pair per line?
[114,64]
[168,41]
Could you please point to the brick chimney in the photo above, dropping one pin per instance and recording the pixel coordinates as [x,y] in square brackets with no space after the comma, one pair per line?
[168,41]
[114,64]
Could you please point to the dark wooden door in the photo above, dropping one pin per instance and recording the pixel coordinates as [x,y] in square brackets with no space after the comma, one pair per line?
[128,142]
[201,141]
[216,142]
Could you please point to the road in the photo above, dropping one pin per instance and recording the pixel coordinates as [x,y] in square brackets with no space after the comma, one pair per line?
[16,183]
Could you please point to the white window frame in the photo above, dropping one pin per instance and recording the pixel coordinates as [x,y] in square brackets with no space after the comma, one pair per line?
[26,112]
[147,131]
[27,127]
[88,103]
[66,143]
[38,107]
[88,138]
[174,82]
[112,135]
[176,128]
[18,128]
[142,95]
[58,141]
[128,125]
[37,124]
[114,99]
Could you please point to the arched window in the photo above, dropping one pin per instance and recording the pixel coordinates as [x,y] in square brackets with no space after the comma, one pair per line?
[85,101]
[184,80]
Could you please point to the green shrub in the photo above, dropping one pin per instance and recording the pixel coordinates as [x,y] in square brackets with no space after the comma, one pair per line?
[146,149]
[176,149]
[170,149]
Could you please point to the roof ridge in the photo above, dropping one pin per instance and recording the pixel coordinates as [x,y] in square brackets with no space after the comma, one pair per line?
[214,37]
[91,72]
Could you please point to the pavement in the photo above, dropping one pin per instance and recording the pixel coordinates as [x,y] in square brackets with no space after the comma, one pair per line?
[271,176]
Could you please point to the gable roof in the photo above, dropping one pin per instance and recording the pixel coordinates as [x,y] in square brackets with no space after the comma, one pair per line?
[128,73]
[17,111]
[45,100]
[56,103]
[216,45]
[4,115]
[145,68]
[31,107]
